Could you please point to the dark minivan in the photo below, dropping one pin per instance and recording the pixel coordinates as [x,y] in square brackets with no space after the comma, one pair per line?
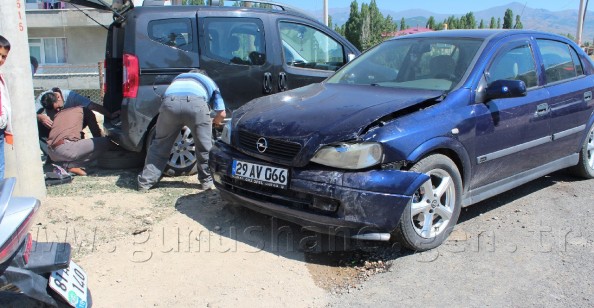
[250,49]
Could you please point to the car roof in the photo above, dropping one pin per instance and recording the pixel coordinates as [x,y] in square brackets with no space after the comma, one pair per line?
[484,34]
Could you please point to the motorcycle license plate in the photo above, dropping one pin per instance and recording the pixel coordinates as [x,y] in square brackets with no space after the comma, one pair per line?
[71,284]
[260,174]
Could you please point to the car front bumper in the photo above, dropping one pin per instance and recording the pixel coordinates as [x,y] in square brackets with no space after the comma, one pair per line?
[346,203]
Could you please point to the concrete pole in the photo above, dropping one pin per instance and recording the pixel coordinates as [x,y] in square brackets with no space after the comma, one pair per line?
[326,12]
[23,159]
[580,26]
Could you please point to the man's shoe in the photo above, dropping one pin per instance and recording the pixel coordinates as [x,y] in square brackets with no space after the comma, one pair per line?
[207,186]
[77,171]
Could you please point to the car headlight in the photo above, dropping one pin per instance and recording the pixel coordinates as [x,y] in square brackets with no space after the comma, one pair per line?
[349,155]
[226,134]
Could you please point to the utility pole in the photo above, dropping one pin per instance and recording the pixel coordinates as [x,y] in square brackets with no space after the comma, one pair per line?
[326,12]
[23,158]
[580,27]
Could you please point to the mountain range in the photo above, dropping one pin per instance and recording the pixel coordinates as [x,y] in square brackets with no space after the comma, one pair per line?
[560,22]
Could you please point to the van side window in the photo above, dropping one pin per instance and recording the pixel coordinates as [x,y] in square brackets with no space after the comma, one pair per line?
[235,40]
[176,33]
[307,47]
[514,64]
[558,62]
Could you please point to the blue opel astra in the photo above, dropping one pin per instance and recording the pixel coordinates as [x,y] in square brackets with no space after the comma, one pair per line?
[395,143]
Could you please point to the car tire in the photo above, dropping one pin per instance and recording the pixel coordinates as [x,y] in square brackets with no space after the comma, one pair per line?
[585,166]
[182,159]
[430,217]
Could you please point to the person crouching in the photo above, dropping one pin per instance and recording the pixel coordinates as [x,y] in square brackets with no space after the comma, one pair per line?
[65,142]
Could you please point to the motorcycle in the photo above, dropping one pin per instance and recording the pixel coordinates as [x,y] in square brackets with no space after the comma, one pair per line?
[35,274]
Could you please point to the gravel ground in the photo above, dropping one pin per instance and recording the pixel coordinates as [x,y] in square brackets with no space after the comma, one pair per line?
[531,246]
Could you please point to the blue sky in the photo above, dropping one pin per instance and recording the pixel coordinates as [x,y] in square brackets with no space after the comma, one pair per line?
[441,6]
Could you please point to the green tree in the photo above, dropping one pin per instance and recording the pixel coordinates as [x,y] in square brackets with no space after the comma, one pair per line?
[508,19]
[402,24]
[430,23]
[470,21]
[463,24]
[377,26]
[518,24]
[329,22]
[482,25]
[498,22]
[366,34]
[493,24]
[195,2]
[389,25]
[352,27]
[453,22]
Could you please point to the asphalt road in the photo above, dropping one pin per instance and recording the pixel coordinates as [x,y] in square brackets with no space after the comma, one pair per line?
[529,247]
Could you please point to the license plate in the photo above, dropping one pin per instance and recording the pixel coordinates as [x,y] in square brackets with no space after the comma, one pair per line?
[71,284]
[260,174]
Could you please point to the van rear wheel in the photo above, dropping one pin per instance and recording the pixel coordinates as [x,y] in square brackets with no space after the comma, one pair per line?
[182,159]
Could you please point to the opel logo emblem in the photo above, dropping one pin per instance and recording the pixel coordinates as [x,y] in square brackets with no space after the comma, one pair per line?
[262,145]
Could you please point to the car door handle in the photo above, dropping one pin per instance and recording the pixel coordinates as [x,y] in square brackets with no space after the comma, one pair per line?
[267,85]
[282,81]
[542,109]
[588,96]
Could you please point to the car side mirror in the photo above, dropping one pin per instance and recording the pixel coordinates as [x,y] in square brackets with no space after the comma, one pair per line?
[506,89]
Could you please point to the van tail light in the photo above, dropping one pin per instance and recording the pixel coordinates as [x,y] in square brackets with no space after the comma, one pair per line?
[17,237]
[104,76]
[131,76]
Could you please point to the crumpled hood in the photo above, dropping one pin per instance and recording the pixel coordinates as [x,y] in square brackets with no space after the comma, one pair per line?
[334,112]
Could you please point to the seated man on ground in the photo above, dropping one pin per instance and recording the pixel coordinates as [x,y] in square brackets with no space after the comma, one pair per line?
[69,99]
[65,141]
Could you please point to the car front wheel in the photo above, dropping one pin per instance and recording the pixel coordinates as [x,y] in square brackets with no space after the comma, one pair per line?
[435,207]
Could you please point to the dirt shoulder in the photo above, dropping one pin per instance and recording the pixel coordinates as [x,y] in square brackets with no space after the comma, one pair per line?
[173,245]
[177,245]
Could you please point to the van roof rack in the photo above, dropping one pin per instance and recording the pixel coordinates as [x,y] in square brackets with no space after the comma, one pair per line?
[273,5]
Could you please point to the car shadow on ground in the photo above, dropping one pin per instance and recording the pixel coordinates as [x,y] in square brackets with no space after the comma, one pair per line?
[276,236]
[284,238]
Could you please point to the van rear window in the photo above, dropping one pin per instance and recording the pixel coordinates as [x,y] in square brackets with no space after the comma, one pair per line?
[176,33]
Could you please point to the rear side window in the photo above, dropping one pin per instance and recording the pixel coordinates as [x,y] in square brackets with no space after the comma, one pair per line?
[558,61]
[175,33]
[235,40]
[307,47]
[514,64]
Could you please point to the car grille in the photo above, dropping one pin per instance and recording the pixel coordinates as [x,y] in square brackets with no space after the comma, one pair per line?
[285,197]
[276,148]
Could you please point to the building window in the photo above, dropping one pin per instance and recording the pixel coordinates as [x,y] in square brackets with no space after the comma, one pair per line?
[48,50]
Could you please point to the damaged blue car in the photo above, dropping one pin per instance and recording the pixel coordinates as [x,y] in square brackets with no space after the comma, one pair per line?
[395,143]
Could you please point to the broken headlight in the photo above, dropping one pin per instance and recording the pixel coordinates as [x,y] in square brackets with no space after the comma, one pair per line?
[349,155]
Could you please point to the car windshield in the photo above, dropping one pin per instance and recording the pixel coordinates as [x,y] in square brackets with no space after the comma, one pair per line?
[419,63]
